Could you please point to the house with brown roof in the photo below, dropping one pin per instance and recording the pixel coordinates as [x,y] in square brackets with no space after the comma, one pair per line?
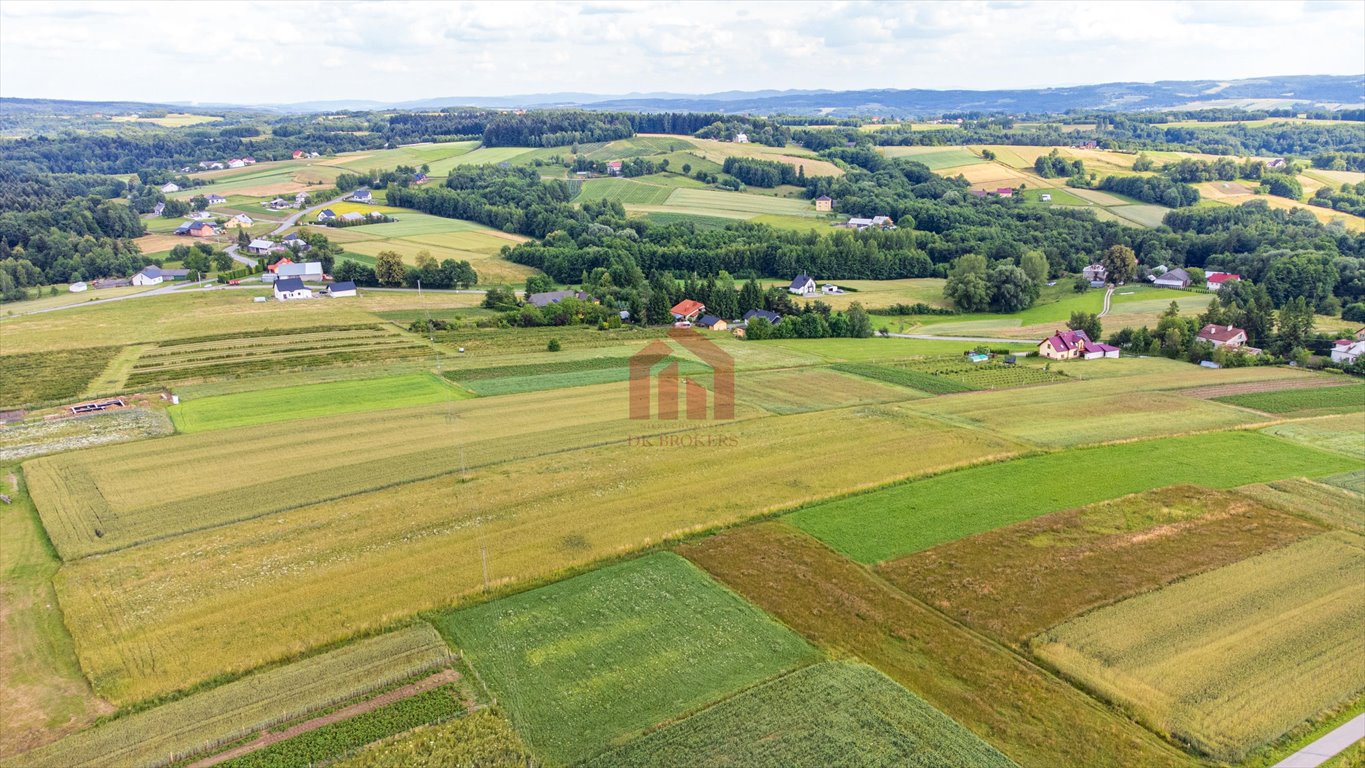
[1223,336]
[824,203]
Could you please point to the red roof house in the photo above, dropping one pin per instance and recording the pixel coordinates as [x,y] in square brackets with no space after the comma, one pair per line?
[688,310]
[297,154]
[1005,191]
[614,167]
[1223,335]
[1214,280]
[279,264]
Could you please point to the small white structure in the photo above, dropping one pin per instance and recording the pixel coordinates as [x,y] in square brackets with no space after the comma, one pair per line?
[169,187]
[1045,197]
[215,199]
[741,138]
[831,288]
[1216,280]
[803,285]
[260,247]
[236,163]
[148,276]
[292,289]
[310,271]
[352,217]
[198,215]
[1347,352]
[77,287]
[341,290]
[361,196]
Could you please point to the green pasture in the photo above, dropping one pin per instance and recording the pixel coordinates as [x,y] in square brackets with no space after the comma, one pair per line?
[706,200]
[1314,401]
[624,191]
[936,158]
[584,664]
[914,516]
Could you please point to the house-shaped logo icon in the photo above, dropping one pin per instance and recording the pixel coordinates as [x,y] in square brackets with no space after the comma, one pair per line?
[669,383]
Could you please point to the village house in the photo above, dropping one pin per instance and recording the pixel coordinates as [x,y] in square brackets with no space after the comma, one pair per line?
[236,162]
[326,214]
[240,220]
[278,204]
[170,187]
[1276,163]
[1070,345]
[291,288]
[215,199]
[741,138]
[768,315]
[260,247]
[1347,352]
[202,229]
[248,161]
[151,275]
[296,154]
[882,222]
[687,310]
[803,285]
[1175,278]
[1215,280]
[300,199]
[713,323]
[1004,192]
[824,203]
[1095,273]
[198,215]
[614,168]
[361,195]
[158,208]
[340,290]
[1223,336]
[546,298]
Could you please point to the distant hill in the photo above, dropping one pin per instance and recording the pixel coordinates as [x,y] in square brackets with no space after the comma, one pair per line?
[1321,91]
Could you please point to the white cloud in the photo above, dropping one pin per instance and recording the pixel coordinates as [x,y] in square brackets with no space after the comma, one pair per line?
[412,50]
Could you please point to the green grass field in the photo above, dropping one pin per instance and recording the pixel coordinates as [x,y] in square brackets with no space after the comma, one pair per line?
[264,406]
[924,513]
[737,202]
[1334,433]
[624,191]
[583,664]
[936,158]
[1275,640]
[793,722]
[44,377]
[1308,401]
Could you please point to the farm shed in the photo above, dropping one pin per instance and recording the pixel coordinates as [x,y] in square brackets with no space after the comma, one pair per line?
[547,298]
[260,247]
[713,323]
[768,315]
[1176,278]
[310,271]
[340,290]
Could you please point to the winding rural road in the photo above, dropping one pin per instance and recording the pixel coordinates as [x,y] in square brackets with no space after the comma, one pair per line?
[1328,746]
[290,221]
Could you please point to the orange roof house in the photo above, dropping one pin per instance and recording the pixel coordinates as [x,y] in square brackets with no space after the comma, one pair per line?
[688,310]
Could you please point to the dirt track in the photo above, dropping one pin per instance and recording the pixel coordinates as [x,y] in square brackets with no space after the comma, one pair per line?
[346,713]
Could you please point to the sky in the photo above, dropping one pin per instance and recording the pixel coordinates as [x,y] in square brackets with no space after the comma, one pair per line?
[280,52]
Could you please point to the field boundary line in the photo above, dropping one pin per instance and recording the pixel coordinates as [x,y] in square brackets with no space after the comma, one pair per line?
[267,738]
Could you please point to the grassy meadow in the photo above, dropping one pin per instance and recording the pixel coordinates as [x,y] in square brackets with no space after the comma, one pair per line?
[790,722]
[584,663]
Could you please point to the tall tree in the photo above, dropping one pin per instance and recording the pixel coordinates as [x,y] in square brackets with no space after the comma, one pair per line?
[967,286]
[389,268]
[1120,264]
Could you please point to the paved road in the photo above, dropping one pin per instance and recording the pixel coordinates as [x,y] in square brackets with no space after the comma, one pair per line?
[167,288]
[977,339]
[1328,746]
[289,221]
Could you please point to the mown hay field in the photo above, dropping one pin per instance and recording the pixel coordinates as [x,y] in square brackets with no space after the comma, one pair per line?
[265,406]
[166,614]
[1029,715]
[201,721]
[937,158]
[479,156]
[1015,582]
[414,155]
[586,663]
[920,514]
[836,713]
[1343,434]
[800,390]
[1304,401]
[52,376]
[717,151]
[624,191]
[706,200]
[483,737]
[1231,659]
[1329,503]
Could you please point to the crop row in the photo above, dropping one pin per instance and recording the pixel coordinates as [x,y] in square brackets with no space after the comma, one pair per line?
[924,382]
[278,363]
[267,333]
[204,720]
[481,738]
[257,346]
[41,377]
[341,738]
[169,362]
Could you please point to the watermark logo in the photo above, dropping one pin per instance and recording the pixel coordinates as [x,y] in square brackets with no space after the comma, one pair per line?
[681,397]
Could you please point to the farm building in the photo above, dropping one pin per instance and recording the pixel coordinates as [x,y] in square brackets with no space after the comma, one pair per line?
[770,316]
[713,323]
[198,215]
[183,229]
[858,222]
[278,204]
[1175,278]
[1223,336]
[978,193]
[353,217]
[831,289]
[236,163]
[1045,197]
[824,203]
[260,247]
[1095,273]
[326,214]
[296,154]
[1276,163]
[554,297]
[156,275]
[215,199]
[1347,352]
[1215,280]
[1004,191]
[614,168]
[688,310]
[803,285]
[300,199]
[310,271]
[340,290]
[1096,350]
[158,208]
[202,229]
[170,187]
[741,138]
[1064,345]
[240,220]
[292,288]
[361,196]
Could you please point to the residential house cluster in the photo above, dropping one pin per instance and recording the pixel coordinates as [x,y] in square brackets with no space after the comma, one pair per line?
[1349,351]
[860,223]
[1073,345]
[1227,336]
